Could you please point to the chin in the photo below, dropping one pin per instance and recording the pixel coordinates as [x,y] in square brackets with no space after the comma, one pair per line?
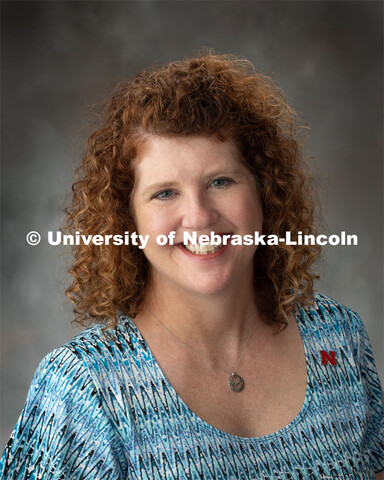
[206,286]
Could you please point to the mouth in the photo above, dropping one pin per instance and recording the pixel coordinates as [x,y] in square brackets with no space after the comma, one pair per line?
[203,249]
[208,248]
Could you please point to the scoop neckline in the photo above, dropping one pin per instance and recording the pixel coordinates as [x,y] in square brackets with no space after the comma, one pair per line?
[217,431]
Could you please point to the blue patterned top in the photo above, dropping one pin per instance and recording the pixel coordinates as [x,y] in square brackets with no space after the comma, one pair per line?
[101,408]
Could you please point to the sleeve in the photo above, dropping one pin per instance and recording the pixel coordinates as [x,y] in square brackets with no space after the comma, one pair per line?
[63,432]
[374,440]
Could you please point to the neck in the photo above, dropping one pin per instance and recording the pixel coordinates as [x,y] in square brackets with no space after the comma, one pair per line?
[208,323]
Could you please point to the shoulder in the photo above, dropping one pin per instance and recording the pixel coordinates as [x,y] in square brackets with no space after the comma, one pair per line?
[332,328]
[324,305]
[113,360]
[331,324]
[74,404]
[89,366]
[326,312]
[99,346]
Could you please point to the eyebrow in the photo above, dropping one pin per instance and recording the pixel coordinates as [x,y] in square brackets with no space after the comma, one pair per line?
[224,171]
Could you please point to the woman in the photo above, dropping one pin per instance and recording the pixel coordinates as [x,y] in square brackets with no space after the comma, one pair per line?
[210,358]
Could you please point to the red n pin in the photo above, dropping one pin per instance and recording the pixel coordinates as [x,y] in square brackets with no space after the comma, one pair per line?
[328,357]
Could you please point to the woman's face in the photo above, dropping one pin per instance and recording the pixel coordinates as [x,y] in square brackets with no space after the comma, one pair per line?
[195,184]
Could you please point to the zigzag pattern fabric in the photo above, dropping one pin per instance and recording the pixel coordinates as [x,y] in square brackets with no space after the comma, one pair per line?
[100,408]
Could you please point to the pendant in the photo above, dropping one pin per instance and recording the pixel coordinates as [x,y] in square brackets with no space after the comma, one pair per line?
[235,382]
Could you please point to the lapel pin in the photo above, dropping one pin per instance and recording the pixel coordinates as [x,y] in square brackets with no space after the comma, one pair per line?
[328,357]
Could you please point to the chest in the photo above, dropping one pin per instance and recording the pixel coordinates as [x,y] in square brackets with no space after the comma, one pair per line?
[275,383]
[174,416]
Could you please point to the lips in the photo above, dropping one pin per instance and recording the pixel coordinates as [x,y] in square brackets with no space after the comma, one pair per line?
[207,248]
[203,249]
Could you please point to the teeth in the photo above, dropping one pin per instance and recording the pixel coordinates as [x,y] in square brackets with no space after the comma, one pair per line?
[202,249]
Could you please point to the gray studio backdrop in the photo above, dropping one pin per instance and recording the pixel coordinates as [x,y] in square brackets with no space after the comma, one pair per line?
[58,58]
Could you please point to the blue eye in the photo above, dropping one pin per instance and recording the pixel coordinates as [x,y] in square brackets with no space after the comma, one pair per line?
[221,182]
[164,195]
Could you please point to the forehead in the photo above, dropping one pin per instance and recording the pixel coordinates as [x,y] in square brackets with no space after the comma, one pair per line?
[184,157]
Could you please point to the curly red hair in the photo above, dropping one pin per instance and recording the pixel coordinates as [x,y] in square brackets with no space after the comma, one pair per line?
[210,95]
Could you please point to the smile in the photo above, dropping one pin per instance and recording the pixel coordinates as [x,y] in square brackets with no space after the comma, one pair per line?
[203,249]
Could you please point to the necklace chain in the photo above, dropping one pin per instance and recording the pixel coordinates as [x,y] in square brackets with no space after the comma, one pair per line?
[201,354]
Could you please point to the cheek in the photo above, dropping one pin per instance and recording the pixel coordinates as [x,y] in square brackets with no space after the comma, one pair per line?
[258,213]
[154,222]
[249,212]
[144,216]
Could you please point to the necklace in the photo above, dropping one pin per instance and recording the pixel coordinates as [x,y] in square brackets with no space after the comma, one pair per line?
[235,381]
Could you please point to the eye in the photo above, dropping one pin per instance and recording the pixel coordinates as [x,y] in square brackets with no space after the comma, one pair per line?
[221,182]
[164,195]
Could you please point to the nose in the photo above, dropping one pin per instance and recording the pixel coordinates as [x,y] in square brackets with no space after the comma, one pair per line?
[199,213]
